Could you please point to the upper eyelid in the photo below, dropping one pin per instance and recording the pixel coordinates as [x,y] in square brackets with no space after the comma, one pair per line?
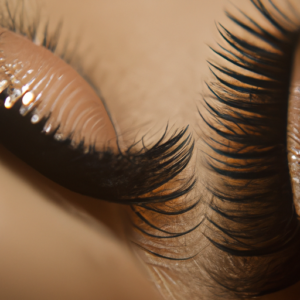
[164,160]
[65,83]
[19,18]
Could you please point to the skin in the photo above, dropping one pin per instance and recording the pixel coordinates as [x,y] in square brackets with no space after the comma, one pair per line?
[293,129]
[56,85]
[149,72]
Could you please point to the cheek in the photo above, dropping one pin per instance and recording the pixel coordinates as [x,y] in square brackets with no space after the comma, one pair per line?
[46,250]
[25,194]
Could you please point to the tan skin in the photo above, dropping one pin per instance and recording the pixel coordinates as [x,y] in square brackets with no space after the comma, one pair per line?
[152,62]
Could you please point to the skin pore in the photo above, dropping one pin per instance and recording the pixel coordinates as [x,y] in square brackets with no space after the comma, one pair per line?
[151,66]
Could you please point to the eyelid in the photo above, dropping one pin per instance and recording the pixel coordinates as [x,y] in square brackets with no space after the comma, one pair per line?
[293,129]
[80,150]
[62,95]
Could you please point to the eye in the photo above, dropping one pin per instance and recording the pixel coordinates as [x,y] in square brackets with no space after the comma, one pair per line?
[247,210]
[52,119]
[250,121]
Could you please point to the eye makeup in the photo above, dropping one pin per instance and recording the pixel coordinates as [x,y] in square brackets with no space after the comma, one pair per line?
[251,221]
[50,89]
[54,121]
[252,217]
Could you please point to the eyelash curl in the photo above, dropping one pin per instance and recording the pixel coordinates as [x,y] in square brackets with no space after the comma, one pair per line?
[137,175]
[252,219]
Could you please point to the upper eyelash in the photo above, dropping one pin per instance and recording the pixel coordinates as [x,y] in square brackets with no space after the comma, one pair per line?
[128,176]
[257,136]
[260,65]
[101,174]
[252,119]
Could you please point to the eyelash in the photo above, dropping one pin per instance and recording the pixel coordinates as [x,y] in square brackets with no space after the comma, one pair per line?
[250,115]
[136,175]
[149,169]
[247,115]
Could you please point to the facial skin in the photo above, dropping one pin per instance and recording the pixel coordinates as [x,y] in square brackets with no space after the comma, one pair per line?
[152,64]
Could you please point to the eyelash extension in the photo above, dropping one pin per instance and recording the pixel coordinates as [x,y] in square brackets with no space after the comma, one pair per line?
[132,176]
[253,219]
[128,177]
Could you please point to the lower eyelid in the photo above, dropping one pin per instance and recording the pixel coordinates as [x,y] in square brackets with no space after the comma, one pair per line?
[63,96]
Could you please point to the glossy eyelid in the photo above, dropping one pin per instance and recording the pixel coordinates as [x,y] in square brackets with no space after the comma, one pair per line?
[62,95]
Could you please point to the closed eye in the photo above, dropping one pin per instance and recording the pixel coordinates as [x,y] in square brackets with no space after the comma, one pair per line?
[249,218]
[246,116]
[53,120]
[248,208]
